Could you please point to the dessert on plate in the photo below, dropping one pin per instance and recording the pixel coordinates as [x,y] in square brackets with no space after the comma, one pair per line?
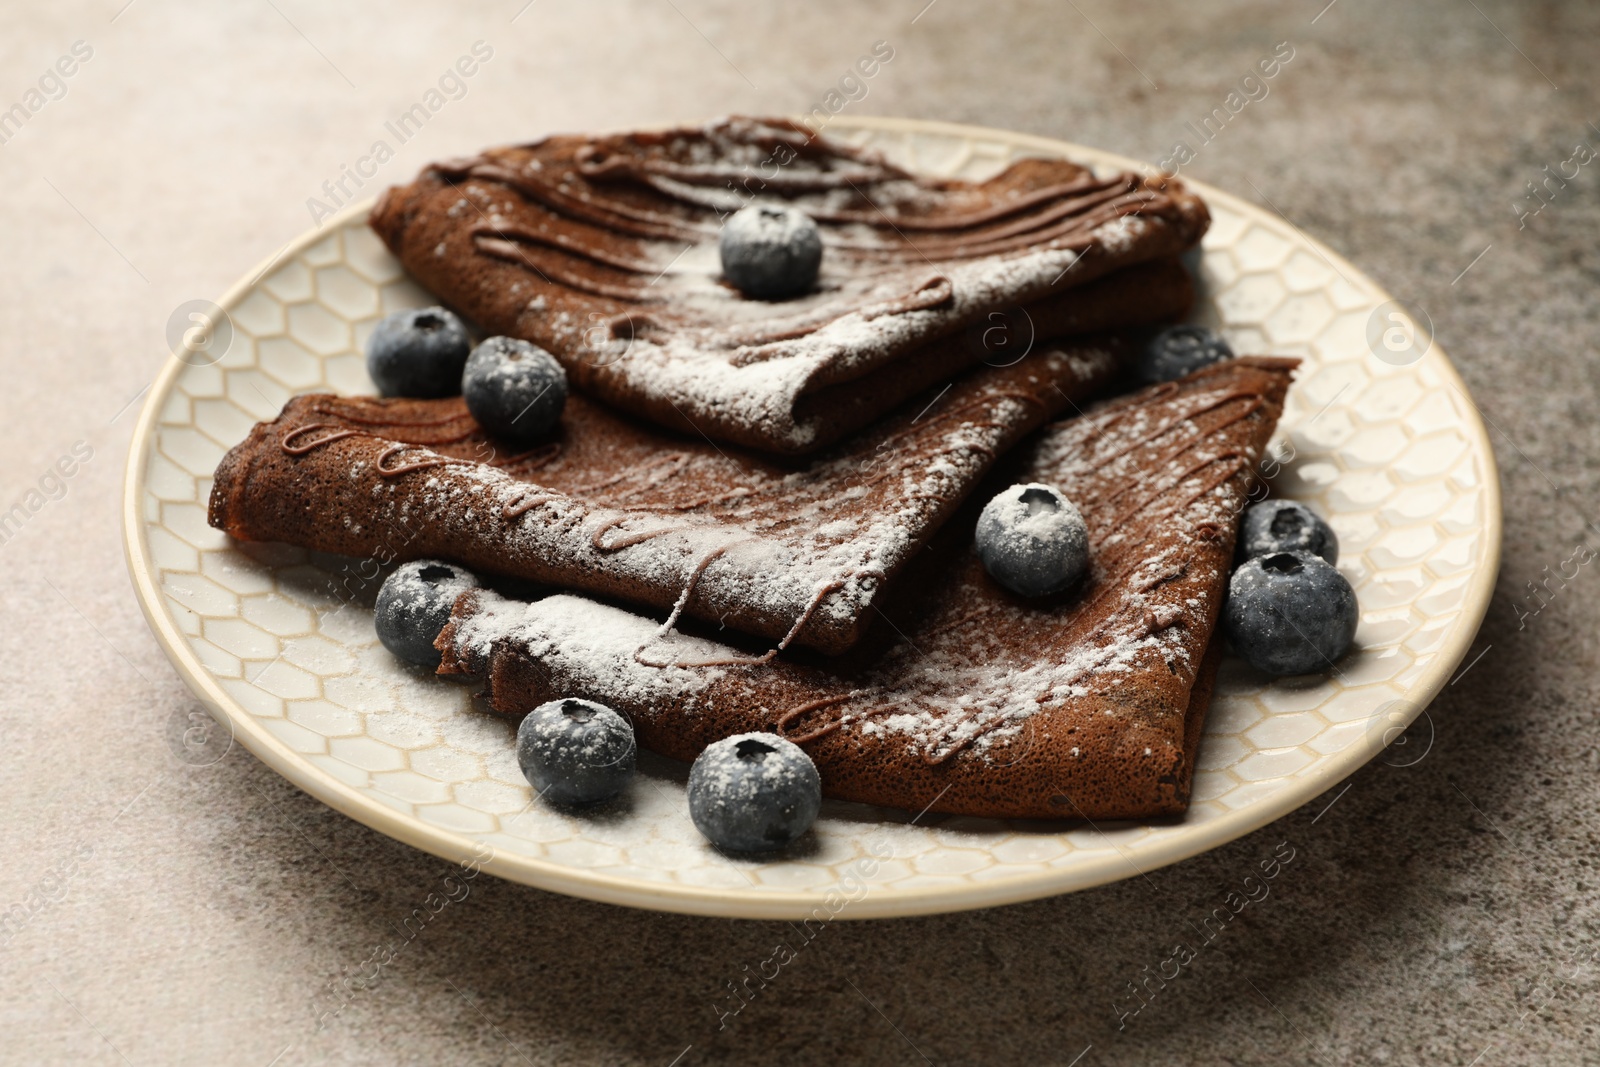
[843,500]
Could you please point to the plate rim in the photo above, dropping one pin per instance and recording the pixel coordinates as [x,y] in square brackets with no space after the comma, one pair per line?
[463,848]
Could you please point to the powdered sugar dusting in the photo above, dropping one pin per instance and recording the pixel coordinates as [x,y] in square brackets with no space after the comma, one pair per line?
[775,549]
[977,666]
[711,374]
[590,646]
[621,234]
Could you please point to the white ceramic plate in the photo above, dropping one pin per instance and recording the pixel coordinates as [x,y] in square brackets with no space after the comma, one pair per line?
[1390,449]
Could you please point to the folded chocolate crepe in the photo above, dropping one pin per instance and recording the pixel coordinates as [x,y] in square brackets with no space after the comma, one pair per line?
[967,698]
[603,250]
[795,553]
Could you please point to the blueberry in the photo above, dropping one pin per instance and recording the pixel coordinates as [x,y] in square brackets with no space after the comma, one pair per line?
[1290,613]
[419,352]
[514,389]
[1180,350]
[1286,526]
[754,792]
[414,604]
[770,251]
[576,751]
[1032,540]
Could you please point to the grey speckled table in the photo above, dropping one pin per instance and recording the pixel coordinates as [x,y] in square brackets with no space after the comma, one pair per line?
[1443,912]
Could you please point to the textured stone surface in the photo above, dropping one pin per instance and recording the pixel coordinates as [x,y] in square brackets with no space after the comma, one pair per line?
[189,913]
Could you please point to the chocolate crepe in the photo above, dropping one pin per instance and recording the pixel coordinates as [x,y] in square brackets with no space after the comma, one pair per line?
[795,553]
[603,250]
[967,699]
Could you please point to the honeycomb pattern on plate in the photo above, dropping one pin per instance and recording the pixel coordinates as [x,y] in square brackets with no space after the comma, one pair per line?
[1393,456]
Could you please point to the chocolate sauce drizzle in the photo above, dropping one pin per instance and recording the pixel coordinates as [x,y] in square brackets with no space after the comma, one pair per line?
[349,420]
[617,209]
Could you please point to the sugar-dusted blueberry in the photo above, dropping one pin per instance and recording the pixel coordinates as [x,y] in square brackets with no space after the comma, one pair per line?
[1290,613]
[414,604]
[576,751]
[770,251]
[1286,526]
[418,352]
[515,389]
[754,792]
[1032,540]
[1180,350]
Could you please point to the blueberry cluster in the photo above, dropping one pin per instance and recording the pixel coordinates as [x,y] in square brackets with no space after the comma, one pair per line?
[749,793]
[1289,611]
[516,390]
